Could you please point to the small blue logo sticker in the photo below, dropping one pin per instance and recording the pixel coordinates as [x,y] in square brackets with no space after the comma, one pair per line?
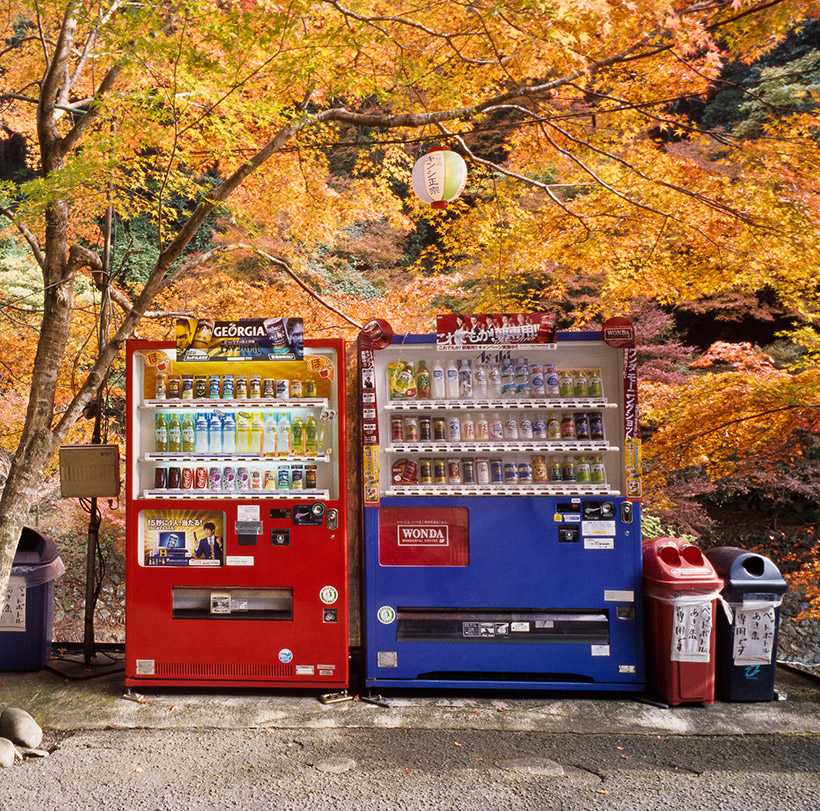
[285,656]
[752,672]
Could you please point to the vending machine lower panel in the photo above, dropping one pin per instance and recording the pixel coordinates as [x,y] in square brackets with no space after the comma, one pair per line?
[538,593]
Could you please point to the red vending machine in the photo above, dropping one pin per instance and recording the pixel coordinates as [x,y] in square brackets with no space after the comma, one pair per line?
[236,536]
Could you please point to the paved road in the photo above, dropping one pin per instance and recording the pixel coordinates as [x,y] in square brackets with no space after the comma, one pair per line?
[404,769]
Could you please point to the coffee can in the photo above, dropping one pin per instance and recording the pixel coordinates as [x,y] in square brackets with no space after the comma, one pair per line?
[310,477]
[482,470]
[439,471]
[269,388]
[283,478]
[425,471]
[525,473]
[255,387]
[227,387]
[297,477]
[241,386]
[214,384]
[201,387]
[425,429]
[282,389]
[161,386]
[454,471]
[496,471]
[468,470]
[187,392]
[174,387]
[297,388]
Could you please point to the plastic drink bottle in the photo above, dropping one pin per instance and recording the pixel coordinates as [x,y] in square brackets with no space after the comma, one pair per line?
[438,387]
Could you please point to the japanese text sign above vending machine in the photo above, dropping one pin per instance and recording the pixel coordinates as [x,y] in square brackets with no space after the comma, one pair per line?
[250,339]
[500,330]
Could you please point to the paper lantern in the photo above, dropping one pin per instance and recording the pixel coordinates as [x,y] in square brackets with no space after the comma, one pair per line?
[439,176]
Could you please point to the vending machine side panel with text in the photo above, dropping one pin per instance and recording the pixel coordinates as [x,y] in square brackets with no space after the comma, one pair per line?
[236,570]
[502,543]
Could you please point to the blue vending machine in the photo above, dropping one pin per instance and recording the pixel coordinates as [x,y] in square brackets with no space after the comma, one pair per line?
[502,541]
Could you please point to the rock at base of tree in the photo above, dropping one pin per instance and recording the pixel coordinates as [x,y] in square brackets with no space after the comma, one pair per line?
[18,726]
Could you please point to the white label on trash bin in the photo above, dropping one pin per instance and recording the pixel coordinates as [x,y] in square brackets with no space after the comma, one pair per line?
[754,635]
[13,612]
[691,631]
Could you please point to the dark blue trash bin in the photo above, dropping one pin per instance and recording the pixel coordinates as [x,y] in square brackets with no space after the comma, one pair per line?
[28,612]
[746,646]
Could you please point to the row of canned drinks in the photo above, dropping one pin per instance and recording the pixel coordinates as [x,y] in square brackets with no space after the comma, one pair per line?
[494,428]
[537,469]
[232,387]
[229,478]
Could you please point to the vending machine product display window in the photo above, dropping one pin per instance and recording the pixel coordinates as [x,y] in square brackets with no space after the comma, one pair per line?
[236,516]
[501,486]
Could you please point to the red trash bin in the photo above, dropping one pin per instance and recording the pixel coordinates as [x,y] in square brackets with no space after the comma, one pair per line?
[680,592]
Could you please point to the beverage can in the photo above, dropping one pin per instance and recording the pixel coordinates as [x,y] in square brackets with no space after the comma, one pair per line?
[482,429]
[255,387]
[482,470]
[187,478]
[243,478]
[537,388]
[525,428]
[596,425]
[496,471]
[269,481]
[297,388]
[454,429]
[496,428]
[554,470]
[269,388]
[396,428]
[160,478]
[551,386]
[467,428]
[595,384]
[439,471]
[227,387]
[215,478]
[256,478]
[510,473]
[553,427]
[214,383]
[567,426]
[425,429]
[187,388]
[241,384]
[439,429]
[525,473]
[510,428]
[425,471]
[597,471]
[468,470]
[310,388]
[201,387]
[229,478]
[566,384]
[580,383]
[581,426]
[174,387]
[201,478]
[203,333]
[539,428]
[453,471]
[568,470]
[582,469]
[539,468]
[282,389]
[297,478]
[310,477]
[411,429]
[161,386]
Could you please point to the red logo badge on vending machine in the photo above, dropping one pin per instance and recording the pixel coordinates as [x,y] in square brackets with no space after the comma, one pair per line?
[424,536]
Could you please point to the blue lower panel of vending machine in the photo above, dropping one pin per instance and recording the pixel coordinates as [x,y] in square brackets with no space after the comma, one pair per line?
[536,593]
